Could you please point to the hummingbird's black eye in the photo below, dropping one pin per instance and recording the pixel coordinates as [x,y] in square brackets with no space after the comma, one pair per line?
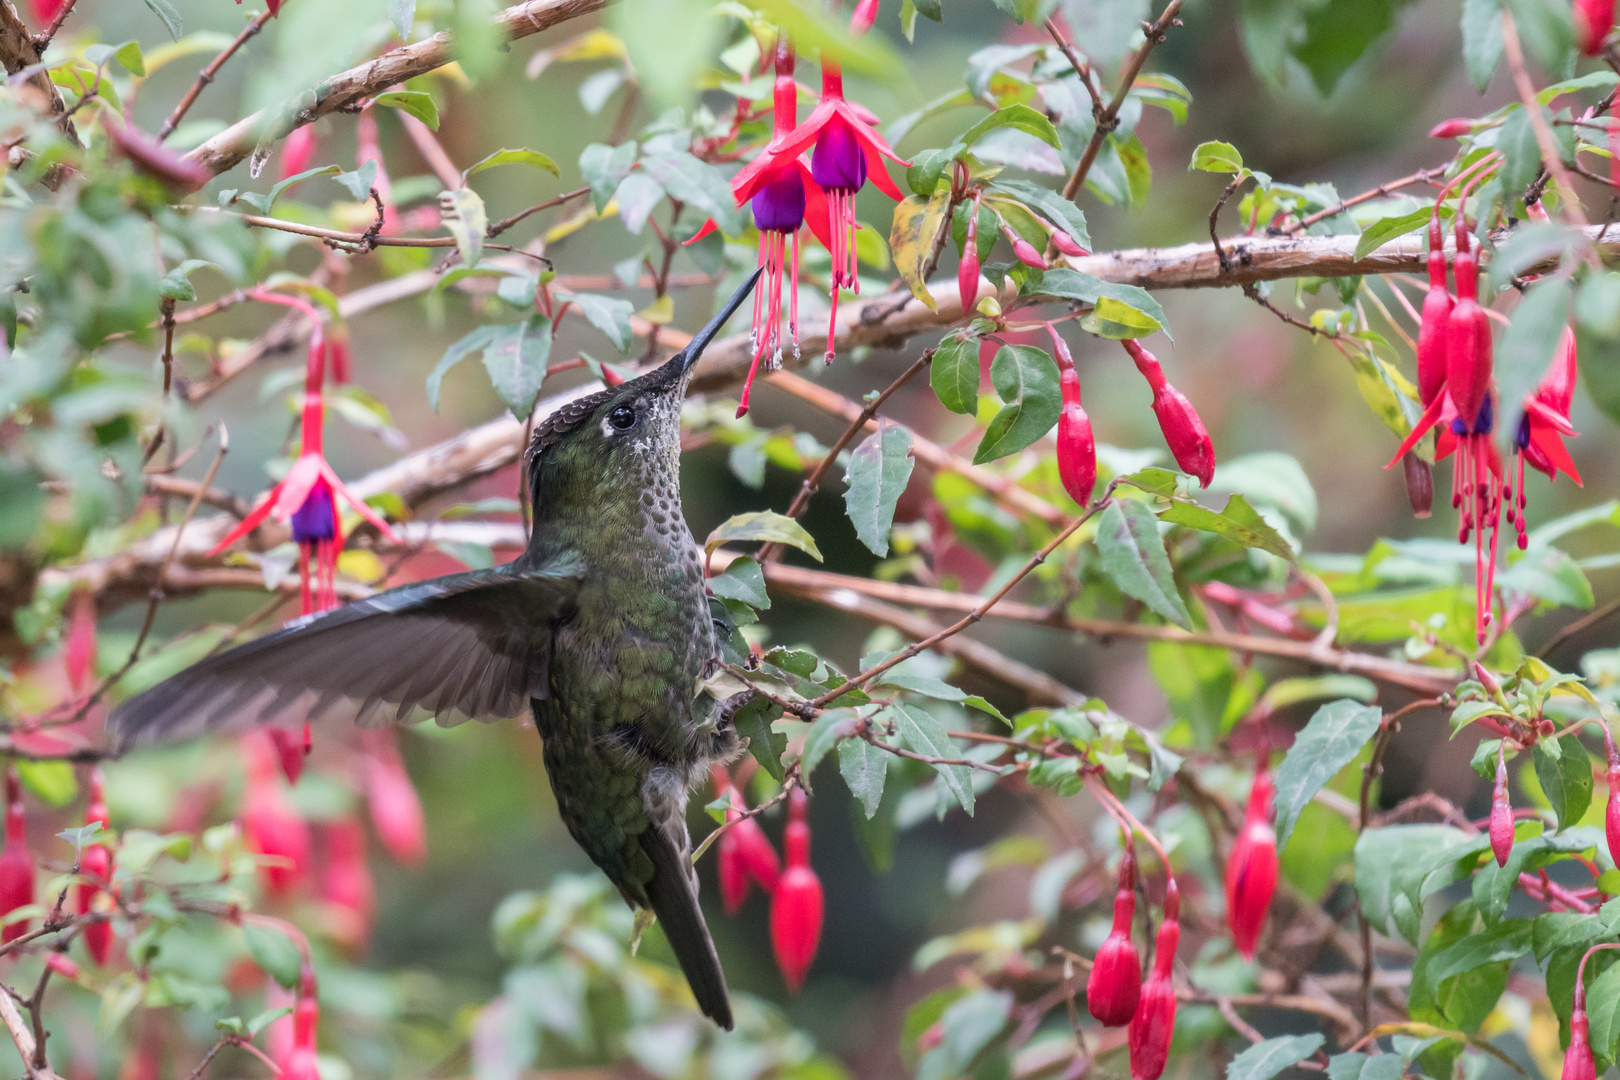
[622,417]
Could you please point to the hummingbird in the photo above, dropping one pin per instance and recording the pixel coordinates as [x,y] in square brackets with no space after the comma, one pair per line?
[601,629]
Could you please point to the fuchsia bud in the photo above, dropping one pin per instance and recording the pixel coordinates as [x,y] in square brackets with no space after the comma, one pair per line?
[79,649]
[347,884]
[1076,446]
[339,354]
[1593,20]
[865,12]
[1611,811]
[796,906]
[301,1062]
[270,824]
[396,812]
[1419,484]
[1178,420]
[46,11]
[1578,1063]
[1251,870]
[1435,328]
[1468,342]
[967,272]
[16,862]
[63,965]
[1155,1020]
[95,863]
[1027,254]
[1115,984]
[1451,129]
[291,750]
[1065,243]
[1501,821]
[298,150]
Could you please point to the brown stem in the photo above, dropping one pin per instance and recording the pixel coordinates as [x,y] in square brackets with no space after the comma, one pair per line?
[1551,159]
[207,74]
[556,200]
[1422,176]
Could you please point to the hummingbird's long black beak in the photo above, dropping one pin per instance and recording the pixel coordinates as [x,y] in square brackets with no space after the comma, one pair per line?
[700,341]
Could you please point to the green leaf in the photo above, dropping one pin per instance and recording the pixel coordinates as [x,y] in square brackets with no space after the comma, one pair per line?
[1237,521]
[127,54]
[864,768]
[463,214]
[516,359]
[1132,555]
[274,952]
[419,104]
[922,733]
[827,731]
[1216,157]
[954,373]
[1337,33]
[1548,32]
[609,314]
[402,13]
[1386,229]
[171,18]
[1603,1012]
[1400,866]
[1026,379]
[1021,117]
[1482,39]
[743,581]
[360,182]
[1526,349]
[511,157]
[697,184]
[753,722]
[1507,940]
[1050,205]
[1359,1066]
[474,342]
[84,834]
[767,526]
[176,284]
[878,471]
[1264,1060]
[1566,780]
[604,168]
[1336,733]
[52,782]
[1069,284]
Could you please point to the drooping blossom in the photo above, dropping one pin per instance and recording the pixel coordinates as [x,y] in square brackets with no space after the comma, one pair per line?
[1148,1037]
[743,853]
[79,646]
[16,861]
[796,906]
[346,883]
[1115,984]
[95,863]
[292,749]
[298,150]
[1593,21]
[967,271]
[1076,446]
[1611,809]
[1251,870]
[300,1062]
[1501,819]
[271,825]
[1183,430]
[396,811]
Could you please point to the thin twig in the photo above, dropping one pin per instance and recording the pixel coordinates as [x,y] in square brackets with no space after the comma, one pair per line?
[1551,159]
[556,200]
[1422,176]
[361,241]
[207,74]
[1578,626]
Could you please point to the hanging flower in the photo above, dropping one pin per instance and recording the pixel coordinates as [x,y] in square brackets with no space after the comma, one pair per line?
[1434,327]
[1593,20]
[1076,446]
[79,648]
[270,824]
[95,863]
[1115,984]
[796,906]
[1251,870]
[298,150]
[1501,820]
[744,854]
[1183,430]
[16,861]
[346,881]
[967,271]
[292,749]
[307,496]
[396,812]
[1155,1021]
[1611,809]
[300,1062]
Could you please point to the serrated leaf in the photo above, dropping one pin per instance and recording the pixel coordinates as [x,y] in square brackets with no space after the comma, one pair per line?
[1021,117]
[922,733]
[419,104]
[1264,1060]
[1026,380]
[753,722]
[1237,521]
[512,157]
[1332,738]
[516,359]
[767,526]
[1131,554]
[864,768]
[954,373]
[878,471]
[462,213]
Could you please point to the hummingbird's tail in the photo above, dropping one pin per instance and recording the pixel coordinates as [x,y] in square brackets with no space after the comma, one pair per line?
[672,895]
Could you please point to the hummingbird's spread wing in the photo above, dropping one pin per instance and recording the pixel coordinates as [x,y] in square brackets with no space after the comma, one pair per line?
[473,645]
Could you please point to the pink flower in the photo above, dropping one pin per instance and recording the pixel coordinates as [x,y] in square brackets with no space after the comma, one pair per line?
[1115,985]
[1501,820]
[796,906]
[298,150]
[1155,1021]
[1076,446]
[396,812]
[346,883]
[270,824]
[79,650]
[1251,869]
[16,862]
[1183,431]
[95,863]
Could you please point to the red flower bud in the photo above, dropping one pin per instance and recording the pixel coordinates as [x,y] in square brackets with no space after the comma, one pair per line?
[16,862]
[270,825]
[1501,822]
[347,884]
[396,812]
[63,965]
[1593,20]
[1611,812]
[796,906]
[1027,254]
[46,11]
[297,150]
[1578,1063]
[291,750]
[178,174]
[1065,243]
[1115,984]
[1451,129]
[1076,447]
[1251,871]
[339,355]
[967,271]
[1155,1020]
[95,863]
[745,854]
[865,12]
[79,650]
[1468,343]
[1178,420]
[300,1061]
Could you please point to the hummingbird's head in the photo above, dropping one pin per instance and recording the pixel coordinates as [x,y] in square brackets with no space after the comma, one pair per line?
[625,434]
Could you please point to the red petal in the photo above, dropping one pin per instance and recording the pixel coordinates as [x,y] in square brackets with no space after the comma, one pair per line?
[708,227]
[359,505]
[247,524]
[1421,428]
[1556,452]
[816,213]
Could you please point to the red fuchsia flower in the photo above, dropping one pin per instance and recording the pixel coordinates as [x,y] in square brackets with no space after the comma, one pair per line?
[1251,870]
[796,906]
[270,824]
[292,749]
[1155,1021]
[16,862]
[298,150]
[1115,984]
[967,271]
[346,883]
[307,496]
[95,863]
[1178,420]
[46,11]
[300,1062]
[865,13]
[1593,20]
[396,812]
[1451,129]
[1578,1061]
[1501,819]
[1434,328]
[1076,447]
[79,649]
[1611,810]
[744,853]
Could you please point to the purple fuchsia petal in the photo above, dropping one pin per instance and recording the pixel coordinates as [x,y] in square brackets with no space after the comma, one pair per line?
[316,519]
[779,205]
[839,161]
